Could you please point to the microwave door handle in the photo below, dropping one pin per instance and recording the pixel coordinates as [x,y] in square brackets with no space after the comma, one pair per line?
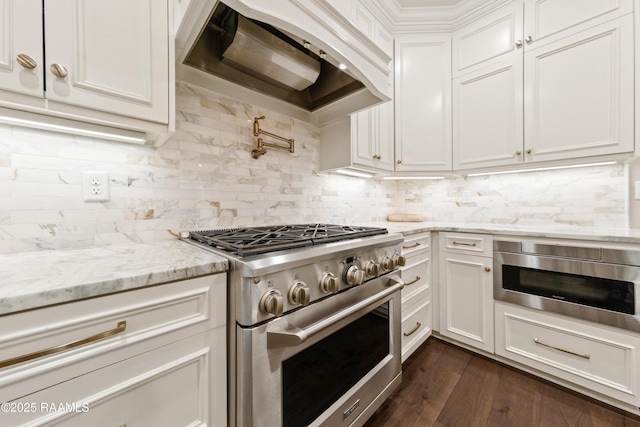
[293,336]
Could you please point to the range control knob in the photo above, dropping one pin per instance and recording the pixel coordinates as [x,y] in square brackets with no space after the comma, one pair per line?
[371,268]
[388,263]
[354,276]
[329,283]
[272,303]
[400,260]
[299,293]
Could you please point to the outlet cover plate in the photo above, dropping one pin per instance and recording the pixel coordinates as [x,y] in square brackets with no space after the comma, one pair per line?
[95,186]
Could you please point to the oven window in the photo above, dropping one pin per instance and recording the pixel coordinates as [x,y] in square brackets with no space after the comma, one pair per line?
[315,378]
[608,294]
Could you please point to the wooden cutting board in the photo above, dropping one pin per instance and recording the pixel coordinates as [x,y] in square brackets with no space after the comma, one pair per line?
[405,218]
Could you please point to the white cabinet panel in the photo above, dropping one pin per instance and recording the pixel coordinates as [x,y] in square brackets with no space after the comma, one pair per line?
[549,19]
[466,289]
[489,38]
[565,93]
[417,307]
[423,102]
[21,34]
[487,116]
[597,358]
[579,94]
[135,357]
[169,386]
[115,53]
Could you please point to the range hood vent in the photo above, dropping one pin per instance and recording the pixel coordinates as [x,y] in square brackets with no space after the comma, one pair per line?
[254,50]
[262,58]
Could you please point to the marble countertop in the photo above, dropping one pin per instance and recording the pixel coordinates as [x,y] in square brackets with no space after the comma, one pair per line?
[37,279]
[609,235]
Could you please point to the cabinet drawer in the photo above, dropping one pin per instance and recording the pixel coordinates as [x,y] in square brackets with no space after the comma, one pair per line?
[169,386]
[416,275]
[416,323]
[603,360]
[416,243]
[476,244]
[100,330]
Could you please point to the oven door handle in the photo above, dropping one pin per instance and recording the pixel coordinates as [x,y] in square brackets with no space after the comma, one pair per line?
[293,336]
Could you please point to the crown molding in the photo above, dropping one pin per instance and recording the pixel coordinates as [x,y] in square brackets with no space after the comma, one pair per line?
[430,18]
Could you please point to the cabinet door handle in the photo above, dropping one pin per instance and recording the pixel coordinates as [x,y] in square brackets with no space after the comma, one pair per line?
[59,70]
[406,334]
[463,244]
[518,153]
[529,151]
[122,326]
[528,39]
[399,162]
[584,356]
[26,61]
[411,246]
[412,282]
[519,44]
[487,269]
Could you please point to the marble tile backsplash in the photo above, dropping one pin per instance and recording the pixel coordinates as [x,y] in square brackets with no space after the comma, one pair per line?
[205,177]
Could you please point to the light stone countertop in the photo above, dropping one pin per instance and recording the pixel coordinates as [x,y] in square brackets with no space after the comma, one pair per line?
[603,235]
[38,279]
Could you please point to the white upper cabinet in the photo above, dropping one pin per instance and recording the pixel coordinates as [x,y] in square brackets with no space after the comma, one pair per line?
[21,55]
[372,129]
[539,81]
[423,102]
[369,133]
[579,94]
[488,91]
[115,54]
[107,63]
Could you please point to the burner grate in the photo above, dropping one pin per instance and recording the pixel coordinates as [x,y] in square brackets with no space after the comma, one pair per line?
[257,240]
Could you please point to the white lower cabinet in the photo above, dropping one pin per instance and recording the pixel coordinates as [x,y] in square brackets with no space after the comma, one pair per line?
[597,358]
[466,289]
[417,307]
[149,357]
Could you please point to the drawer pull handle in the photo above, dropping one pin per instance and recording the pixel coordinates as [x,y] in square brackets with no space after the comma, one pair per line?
[122,326]
[413,281]
[418,324]
[415,245]
[464,244]
[584,356]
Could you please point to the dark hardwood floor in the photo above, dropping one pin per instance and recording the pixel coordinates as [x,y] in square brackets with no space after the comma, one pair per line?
[444,385]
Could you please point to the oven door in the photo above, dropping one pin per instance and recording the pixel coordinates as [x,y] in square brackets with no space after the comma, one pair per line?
[595,291]
[331,363]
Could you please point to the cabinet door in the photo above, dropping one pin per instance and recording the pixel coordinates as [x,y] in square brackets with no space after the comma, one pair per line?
[579,94]
[467,299]
[547,21]
[423,102]
[362,137]
[487,116]
[116,55]
[488,39]
[21,34]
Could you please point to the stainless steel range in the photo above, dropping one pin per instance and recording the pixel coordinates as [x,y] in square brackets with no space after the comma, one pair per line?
[314,311]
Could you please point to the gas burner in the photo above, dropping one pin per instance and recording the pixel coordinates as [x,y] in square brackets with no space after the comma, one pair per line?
[257,240]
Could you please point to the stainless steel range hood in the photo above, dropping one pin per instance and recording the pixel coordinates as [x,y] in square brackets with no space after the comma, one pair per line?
[251,49]
[268,53]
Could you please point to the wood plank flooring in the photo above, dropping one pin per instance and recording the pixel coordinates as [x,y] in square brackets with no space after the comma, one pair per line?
[443,385]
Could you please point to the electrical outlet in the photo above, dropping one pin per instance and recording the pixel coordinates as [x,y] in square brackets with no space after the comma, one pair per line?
[95,186]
